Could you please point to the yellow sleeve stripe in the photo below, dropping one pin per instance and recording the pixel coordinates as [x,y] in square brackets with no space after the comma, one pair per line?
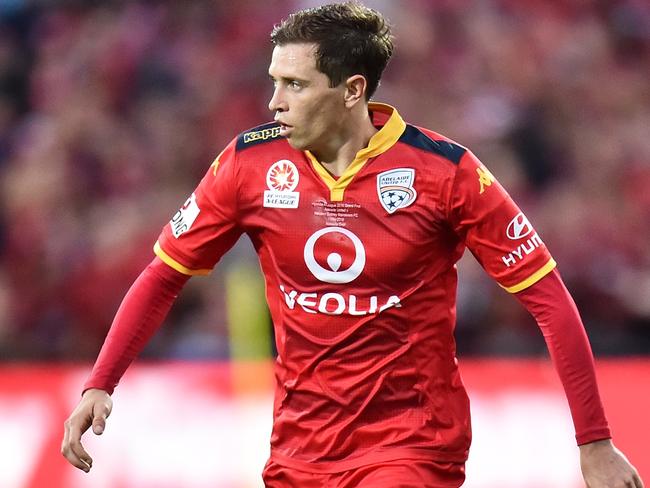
[532,279]
[168,260]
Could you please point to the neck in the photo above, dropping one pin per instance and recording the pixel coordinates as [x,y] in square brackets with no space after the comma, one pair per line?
[343,147]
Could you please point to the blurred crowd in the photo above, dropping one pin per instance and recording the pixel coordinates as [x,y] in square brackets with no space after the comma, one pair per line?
[111,111]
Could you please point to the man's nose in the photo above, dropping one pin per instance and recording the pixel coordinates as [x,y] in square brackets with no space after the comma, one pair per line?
[277,103]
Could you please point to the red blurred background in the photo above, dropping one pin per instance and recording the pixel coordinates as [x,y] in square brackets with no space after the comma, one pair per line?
[207,424]
[110,112]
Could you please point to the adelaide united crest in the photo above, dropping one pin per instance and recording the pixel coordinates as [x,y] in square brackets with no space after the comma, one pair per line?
[395,189]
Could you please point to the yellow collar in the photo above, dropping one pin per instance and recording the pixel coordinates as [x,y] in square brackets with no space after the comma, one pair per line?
[379,143]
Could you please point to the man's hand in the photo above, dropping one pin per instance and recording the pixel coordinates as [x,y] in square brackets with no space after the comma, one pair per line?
[93,409]
[604,466]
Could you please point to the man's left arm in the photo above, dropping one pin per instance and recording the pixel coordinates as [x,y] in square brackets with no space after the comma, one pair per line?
[603,465]
[496,231]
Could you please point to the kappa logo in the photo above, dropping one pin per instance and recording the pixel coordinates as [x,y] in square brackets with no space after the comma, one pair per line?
[282,179]
[519,227]
[261,135]
[395,189]
[334,259]
[485,178]
[215,163]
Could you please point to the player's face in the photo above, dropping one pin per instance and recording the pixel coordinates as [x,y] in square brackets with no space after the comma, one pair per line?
[308,109]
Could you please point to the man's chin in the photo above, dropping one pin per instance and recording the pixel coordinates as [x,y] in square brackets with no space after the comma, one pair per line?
[296,143]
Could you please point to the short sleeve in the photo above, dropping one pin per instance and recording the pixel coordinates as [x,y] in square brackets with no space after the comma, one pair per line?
[206,226]
[494,229]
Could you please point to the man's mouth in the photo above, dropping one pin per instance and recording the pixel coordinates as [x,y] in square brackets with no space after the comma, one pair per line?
[285,129]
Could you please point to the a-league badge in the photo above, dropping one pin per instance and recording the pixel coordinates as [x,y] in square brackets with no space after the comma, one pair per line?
[395,189]
[282,179]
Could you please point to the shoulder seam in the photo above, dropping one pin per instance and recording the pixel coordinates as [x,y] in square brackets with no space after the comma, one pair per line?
[258,135]
[415,137]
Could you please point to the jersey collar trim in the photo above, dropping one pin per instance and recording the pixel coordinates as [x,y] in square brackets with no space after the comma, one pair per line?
[379,143]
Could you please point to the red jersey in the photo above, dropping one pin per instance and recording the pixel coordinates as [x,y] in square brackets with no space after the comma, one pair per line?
[361,283]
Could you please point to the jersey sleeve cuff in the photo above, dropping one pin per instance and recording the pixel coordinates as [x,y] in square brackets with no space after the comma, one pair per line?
[594,435]
[94,383]
[168,260]
[532,279]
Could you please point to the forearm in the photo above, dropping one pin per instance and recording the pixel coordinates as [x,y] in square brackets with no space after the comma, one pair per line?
[557,316]
[143,309]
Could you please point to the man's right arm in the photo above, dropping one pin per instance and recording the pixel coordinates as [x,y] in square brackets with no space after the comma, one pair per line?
[143,309]
[202,231]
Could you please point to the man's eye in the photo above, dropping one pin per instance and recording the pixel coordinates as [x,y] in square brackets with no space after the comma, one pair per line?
[295,85]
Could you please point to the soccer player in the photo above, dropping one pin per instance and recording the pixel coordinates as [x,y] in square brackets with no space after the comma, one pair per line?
[358,219]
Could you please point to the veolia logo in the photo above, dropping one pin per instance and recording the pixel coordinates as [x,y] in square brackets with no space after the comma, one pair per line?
[334,274]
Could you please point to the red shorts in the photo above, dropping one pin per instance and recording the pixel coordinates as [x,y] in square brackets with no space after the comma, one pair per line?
[403,473]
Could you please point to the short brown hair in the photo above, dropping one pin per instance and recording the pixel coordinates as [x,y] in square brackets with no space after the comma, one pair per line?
[351,39]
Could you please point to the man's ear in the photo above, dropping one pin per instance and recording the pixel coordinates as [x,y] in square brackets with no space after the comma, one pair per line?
[355,90]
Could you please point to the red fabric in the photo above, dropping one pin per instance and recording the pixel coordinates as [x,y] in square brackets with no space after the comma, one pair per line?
[362,291]
[550,303]
[493,227]
[143,309]
[409,473]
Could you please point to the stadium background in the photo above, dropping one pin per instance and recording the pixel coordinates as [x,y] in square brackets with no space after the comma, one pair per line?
[110,112]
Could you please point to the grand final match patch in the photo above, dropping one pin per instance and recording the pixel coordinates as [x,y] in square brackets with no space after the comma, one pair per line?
[282,180]
[395,189]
